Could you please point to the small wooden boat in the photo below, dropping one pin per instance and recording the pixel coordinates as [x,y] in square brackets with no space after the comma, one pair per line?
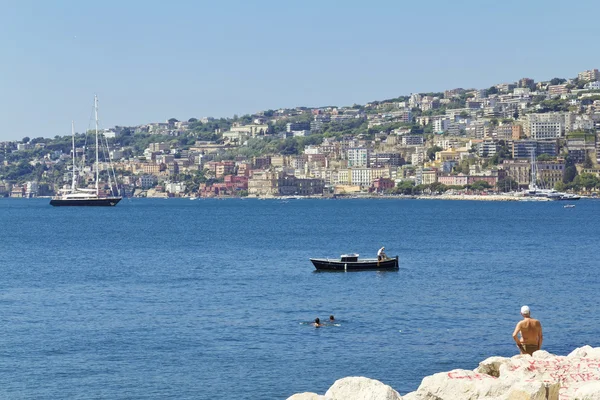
[351,262]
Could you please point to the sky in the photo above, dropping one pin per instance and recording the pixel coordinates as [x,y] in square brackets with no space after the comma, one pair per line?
[150,60]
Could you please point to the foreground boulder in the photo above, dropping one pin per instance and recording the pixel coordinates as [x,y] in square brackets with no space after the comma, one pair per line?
[353,388]
[306,396]
[542,376]
[360,388]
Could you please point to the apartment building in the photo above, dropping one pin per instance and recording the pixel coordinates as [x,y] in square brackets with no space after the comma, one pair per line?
[358,157]
[545,126]
[589,75]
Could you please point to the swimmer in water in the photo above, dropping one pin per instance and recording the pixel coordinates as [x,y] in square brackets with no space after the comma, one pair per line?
[317,323]
[331,319]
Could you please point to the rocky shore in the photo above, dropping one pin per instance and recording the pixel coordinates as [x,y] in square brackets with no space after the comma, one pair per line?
[543,376]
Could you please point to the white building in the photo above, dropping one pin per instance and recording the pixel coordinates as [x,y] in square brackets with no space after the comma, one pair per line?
[441,125]
[593,85]
[358,157]
[545,126]
[412,140]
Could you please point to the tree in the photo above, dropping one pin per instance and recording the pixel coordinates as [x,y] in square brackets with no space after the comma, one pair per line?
[544,157]
[405,187]
[192,120]
[557,81]
[492,90]
[507,184]
[588,162]
[25,139]
[480,185]
[432,150]
[587,181]
[570,174]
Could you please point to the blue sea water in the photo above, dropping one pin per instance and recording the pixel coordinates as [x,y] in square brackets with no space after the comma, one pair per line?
[212,299]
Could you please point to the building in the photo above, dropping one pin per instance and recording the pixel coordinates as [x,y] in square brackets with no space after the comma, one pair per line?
[589,75]
[525,148]
[412,140]
[358,157]
[386,159]
[545,126]
[453,180]
[518,170]
[557,90]
[297,126]
[441,125]
[548,174]
[271,183]
[526,83]
[382,184]
[504,132]
[487,148]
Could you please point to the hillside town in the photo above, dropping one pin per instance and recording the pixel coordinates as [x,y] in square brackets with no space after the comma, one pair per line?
[470,140]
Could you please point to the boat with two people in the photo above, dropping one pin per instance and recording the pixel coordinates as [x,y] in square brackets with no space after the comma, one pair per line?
[352,262]
[79,196]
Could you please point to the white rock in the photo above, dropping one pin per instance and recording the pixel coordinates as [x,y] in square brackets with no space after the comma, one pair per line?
[589,391]
[542,355]
[524,390]
[461,384]
[580,352]
[491,366]
[360,388]
[306,396]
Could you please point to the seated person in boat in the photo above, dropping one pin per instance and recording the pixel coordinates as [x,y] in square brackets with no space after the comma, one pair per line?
[381,254]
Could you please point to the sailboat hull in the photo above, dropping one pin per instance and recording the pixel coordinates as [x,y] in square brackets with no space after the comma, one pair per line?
[104,202]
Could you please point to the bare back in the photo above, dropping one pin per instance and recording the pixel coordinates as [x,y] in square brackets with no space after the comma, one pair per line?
[531,331]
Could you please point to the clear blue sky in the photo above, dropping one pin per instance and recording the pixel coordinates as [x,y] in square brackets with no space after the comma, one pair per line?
[152,60]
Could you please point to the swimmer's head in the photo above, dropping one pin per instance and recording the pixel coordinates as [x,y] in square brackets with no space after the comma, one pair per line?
[331,318]
[317,321]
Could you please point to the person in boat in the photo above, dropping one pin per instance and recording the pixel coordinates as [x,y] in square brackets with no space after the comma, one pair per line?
[317,323]
[381,254]
[531,333]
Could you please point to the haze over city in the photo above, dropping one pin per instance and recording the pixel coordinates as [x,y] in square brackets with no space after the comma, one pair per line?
[150,61]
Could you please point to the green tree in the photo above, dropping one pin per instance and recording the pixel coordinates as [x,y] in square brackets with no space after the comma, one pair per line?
[507,184]
[480,185]
[492,90]
[25,139]
[570,174]
[405,187]
[587,181]
[588,162]
[557,81]
[544,157]
[432,150]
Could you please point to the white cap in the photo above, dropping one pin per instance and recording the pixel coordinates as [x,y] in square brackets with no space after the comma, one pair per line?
[525,310]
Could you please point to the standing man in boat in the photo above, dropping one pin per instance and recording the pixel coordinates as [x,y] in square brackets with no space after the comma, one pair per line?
[531,333]
[381,254]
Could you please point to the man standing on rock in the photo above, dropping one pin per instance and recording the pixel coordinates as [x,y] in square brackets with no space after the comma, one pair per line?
[531,333]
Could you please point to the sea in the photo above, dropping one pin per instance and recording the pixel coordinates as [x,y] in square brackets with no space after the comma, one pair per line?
[213,299]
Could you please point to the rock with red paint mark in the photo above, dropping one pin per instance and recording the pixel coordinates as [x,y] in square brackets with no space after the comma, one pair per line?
[460,384]
[307,396]
[589,391]
[360,388]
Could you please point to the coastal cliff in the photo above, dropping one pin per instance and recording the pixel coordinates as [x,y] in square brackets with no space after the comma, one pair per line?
[543,376]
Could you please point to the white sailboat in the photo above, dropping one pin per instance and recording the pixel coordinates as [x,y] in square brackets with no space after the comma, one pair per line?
[75,196]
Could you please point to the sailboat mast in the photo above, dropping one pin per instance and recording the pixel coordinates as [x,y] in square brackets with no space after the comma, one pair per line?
[73,183]
[97,166]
